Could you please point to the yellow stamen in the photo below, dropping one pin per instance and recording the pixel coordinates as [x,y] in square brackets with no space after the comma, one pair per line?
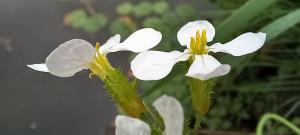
[97,45]
[199,42]
[193,44]
[203,37]
[99,65]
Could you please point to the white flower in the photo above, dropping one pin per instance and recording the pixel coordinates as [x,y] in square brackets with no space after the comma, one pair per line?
[77,54]
[155,65]
[169,109]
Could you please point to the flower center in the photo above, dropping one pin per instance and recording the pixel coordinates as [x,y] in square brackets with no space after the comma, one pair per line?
[100,64]
[198,44]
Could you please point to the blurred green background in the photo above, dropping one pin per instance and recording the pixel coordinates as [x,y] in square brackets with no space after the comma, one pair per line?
[267,81]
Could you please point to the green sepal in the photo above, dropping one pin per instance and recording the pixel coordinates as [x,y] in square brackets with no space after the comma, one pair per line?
[201,91]
[124,92]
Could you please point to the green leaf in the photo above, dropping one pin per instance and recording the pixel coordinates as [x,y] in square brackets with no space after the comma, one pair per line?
[282,24]
[185,11]
[99,20]
[94,23]
[153,22]
[123,26]
[79,19]
[240,18]
[160,7]
[125,8]
[273,30]
[143,9]
[76,18]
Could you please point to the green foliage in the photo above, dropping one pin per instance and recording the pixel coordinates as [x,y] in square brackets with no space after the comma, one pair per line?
[282,24]
[143,9]
[125,8]
[160,7]
[185,11]
[236,22]
[76,18]
[269,116]
[123,26]
[153,22]
[80,20]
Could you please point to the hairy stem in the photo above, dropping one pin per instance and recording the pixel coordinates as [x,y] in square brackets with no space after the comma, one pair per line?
[197,124]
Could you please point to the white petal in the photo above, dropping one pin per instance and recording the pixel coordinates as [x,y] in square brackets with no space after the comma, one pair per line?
[189,30]
[70,58]
[139,41]
[39,67]
[243,44]
[110,44]
[172,113]
[155,65]
[131,126]
[206,67]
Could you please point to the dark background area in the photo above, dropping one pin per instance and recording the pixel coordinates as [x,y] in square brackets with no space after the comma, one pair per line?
[34,103]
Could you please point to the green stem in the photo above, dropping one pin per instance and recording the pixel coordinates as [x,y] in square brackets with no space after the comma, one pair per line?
[266,117]
[197,124]
[153,116]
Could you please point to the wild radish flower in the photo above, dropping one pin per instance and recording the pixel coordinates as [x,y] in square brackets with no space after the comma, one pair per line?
[155,65]
[77,54]
[170,110]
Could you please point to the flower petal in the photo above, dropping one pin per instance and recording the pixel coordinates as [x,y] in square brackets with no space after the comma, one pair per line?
[139,41]
[172,113]
[110,44]
[131,126]
[189,30]
[155,65]
[206,67]
[243,44]
[70,58]
[39,67]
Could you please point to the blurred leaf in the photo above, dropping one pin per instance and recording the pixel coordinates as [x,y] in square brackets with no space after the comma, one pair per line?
[125,8]
[75,18]
[160,7]
[273,30]
[153,22]
[142,9]
[185,11]
[282,24]
[94,23]
[240,18]
[230,4]
[79,19]
[123,25]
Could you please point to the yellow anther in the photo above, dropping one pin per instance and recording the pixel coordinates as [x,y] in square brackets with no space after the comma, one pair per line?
[193,44]
[97,45]
[203,37]
[199,42]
